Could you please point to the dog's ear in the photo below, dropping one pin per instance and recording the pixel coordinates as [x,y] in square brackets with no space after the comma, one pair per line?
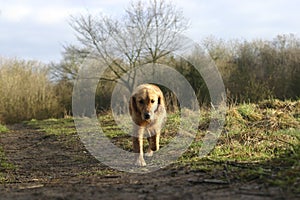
[158,103]
[132,105]
[159,99]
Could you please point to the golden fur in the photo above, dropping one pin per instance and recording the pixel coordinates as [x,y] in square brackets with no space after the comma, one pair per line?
[147,110]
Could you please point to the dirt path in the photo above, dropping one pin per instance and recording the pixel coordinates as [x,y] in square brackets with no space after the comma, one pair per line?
[50,167]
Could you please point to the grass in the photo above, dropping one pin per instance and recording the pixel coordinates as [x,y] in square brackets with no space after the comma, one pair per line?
[26,91]
[3,128]
[5,166]
[57,127]
[259,142]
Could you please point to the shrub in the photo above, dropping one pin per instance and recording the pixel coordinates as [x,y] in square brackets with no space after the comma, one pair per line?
[25,91]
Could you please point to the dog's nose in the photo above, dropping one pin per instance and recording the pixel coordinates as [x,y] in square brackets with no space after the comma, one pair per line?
[147,115]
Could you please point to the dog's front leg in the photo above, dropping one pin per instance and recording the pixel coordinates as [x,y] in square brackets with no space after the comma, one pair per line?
[153,140]
[138,146]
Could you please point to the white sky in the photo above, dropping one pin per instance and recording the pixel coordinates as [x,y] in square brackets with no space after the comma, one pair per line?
[36,29]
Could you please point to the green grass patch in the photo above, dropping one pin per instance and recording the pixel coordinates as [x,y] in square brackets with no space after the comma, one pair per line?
[4,164]
[58,127]
[3,128]
[5,167]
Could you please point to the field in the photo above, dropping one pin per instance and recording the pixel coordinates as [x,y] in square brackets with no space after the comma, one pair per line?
[256,157]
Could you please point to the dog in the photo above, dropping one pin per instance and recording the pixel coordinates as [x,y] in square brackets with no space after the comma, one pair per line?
[148,112]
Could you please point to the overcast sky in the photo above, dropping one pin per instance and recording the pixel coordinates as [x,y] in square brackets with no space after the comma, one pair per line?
[36,29]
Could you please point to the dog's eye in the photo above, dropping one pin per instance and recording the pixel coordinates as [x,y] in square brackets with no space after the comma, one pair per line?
[141,101]
[152,101]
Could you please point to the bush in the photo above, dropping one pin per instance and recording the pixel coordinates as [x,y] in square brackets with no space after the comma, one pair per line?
[260,69]
[26,92]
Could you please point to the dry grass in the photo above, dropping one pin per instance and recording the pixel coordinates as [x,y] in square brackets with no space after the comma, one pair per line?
[259,132]
[25,91]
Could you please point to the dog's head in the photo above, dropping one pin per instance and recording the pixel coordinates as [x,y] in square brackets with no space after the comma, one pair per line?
[145,101]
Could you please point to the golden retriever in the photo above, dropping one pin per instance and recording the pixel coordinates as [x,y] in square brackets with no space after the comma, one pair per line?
[148,112]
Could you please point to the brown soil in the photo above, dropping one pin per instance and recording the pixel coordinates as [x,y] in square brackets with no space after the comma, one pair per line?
[50,167]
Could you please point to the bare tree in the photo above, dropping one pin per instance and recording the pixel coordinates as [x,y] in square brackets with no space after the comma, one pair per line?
[145,34]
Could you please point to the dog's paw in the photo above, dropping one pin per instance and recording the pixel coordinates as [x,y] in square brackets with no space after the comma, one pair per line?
[140,162]
[149,153]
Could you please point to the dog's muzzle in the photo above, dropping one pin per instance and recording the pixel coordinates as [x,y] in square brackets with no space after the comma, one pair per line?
[147,116]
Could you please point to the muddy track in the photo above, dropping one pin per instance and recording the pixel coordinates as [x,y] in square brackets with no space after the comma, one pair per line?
[50,167]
